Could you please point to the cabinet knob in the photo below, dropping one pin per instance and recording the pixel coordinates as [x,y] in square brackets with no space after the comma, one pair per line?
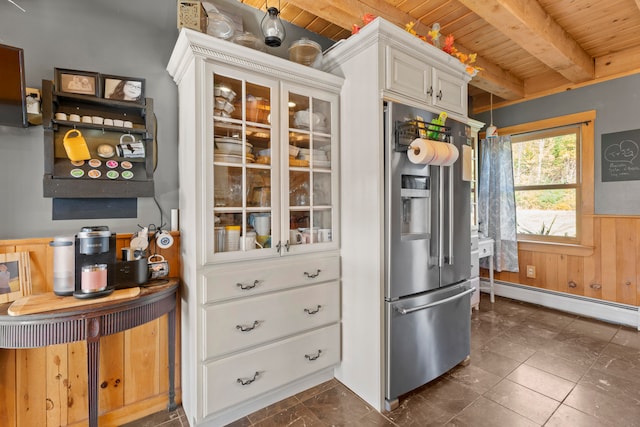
[439,96]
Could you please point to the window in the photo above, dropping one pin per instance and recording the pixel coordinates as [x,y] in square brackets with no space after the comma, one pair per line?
[547,180]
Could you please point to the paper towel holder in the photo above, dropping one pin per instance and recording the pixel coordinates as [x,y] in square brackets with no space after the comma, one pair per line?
[408,130]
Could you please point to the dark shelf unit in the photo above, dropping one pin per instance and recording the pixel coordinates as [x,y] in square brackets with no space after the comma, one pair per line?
[58,181]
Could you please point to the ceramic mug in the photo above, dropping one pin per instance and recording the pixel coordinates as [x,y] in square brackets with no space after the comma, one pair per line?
[324,235]
[158,267]
[250,241]
[295,237]
[129,147]
[261,223]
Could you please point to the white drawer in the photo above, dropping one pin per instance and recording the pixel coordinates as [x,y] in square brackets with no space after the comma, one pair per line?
[485,248]
[268,367]
[475,264]
[258,277]
[242,323]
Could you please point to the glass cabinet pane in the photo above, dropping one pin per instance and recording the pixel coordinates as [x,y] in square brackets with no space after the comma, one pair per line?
[242,171]
[310,172]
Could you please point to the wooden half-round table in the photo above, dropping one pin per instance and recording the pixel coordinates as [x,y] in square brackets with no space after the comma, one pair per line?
[89,323]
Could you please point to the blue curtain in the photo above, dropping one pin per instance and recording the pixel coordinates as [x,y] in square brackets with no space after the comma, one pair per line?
[497,204]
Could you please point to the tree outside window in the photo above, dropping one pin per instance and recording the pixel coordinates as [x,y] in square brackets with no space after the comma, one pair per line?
[546,169]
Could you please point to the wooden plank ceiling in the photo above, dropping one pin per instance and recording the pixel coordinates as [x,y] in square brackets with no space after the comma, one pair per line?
[527,49]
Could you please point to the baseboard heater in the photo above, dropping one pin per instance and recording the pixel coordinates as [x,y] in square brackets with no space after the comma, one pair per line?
[622,314]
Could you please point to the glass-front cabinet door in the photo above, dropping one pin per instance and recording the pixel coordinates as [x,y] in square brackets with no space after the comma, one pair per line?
[244,165]
[311,154]
[271,157]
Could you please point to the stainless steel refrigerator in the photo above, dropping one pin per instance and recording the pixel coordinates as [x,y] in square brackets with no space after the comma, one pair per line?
[427,255]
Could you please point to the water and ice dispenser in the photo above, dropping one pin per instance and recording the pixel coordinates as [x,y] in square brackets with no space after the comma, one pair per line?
[415,194]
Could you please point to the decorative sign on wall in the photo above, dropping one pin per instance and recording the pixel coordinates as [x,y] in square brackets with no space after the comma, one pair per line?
[621,156]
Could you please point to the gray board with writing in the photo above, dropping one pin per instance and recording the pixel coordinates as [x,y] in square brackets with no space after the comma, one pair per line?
[621,156]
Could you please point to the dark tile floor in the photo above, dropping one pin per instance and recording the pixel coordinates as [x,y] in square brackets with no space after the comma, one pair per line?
[530,366]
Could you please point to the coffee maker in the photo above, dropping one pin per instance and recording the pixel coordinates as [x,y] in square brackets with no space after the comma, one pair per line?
[95,249]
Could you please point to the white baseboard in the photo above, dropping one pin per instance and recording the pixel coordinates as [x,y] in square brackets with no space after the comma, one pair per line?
[607,311]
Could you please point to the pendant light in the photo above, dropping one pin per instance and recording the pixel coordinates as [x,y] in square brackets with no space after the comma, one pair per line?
[492,131]
[272,27]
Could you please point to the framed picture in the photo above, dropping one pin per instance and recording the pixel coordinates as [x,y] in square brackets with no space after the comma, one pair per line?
[15,276]
[80,82]
[123,88]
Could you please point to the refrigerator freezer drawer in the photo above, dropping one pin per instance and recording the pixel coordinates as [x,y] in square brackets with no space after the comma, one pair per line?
[427,335]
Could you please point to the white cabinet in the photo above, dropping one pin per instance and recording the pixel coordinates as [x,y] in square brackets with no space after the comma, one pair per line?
[381,62]
[418,77]
[259,220]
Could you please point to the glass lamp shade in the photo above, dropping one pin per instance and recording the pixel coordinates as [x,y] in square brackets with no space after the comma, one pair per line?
[272,28]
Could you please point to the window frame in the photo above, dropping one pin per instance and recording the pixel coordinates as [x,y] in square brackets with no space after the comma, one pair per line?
[583,245]
[573,128]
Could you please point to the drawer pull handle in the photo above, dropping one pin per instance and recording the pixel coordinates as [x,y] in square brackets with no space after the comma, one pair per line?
[245,328]
[312,275]
[313,357]
[248,380]
[313,311]
[439,95]
[247,287]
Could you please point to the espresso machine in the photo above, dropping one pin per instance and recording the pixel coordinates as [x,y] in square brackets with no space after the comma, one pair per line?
[95,249]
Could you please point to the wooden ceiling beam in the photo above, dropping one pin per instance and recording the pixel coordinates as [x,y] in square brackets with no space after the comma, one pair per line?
[527,24]
[345,13]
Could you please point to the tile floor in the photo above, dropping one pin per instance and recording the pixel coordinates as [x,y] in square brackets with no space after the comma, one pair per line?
[530,366]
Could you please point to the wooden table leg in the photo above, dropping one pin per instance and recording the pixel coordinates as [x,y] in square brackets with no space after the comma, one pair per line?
[93,367]
[172,359]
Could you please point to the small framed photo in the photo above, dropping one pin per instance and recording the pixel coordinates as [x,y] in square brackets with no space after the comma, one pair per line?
[15,276]
[80,82]
[123,88]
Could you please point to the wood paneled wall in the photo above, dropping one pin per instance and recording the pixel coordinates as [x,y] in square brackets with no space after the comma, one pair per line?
[48,386]
[611,271]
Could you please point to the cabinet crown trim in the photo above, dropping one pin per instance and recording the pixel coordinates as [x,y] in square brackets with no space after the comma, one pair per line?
[193,44]
[382,31]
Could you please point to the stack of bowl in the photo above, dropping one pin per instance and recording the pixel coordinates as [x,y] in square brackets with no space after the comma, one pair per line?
[223,101]
[229,149]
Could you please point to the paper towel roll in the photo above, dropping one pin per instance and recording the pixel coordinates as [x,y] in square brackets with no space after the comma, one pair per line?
[427,152]
[421,152]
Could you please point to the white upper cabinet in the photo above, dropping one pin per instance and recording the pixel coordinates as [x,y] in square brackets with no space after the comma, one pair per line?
[258,152]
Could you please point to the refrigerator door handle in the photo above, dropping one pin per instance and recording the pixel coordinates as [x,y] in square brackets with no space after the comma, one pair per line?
[440,216]
[451,230]
[402,310]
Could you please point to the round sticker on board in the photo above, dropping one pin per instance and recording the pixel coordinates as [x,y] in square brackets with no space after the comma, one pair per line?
[112,164]
[126,165]
[77,162]
[94,163]
[112,174]
[127,174]
[94,173]
[77,173]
